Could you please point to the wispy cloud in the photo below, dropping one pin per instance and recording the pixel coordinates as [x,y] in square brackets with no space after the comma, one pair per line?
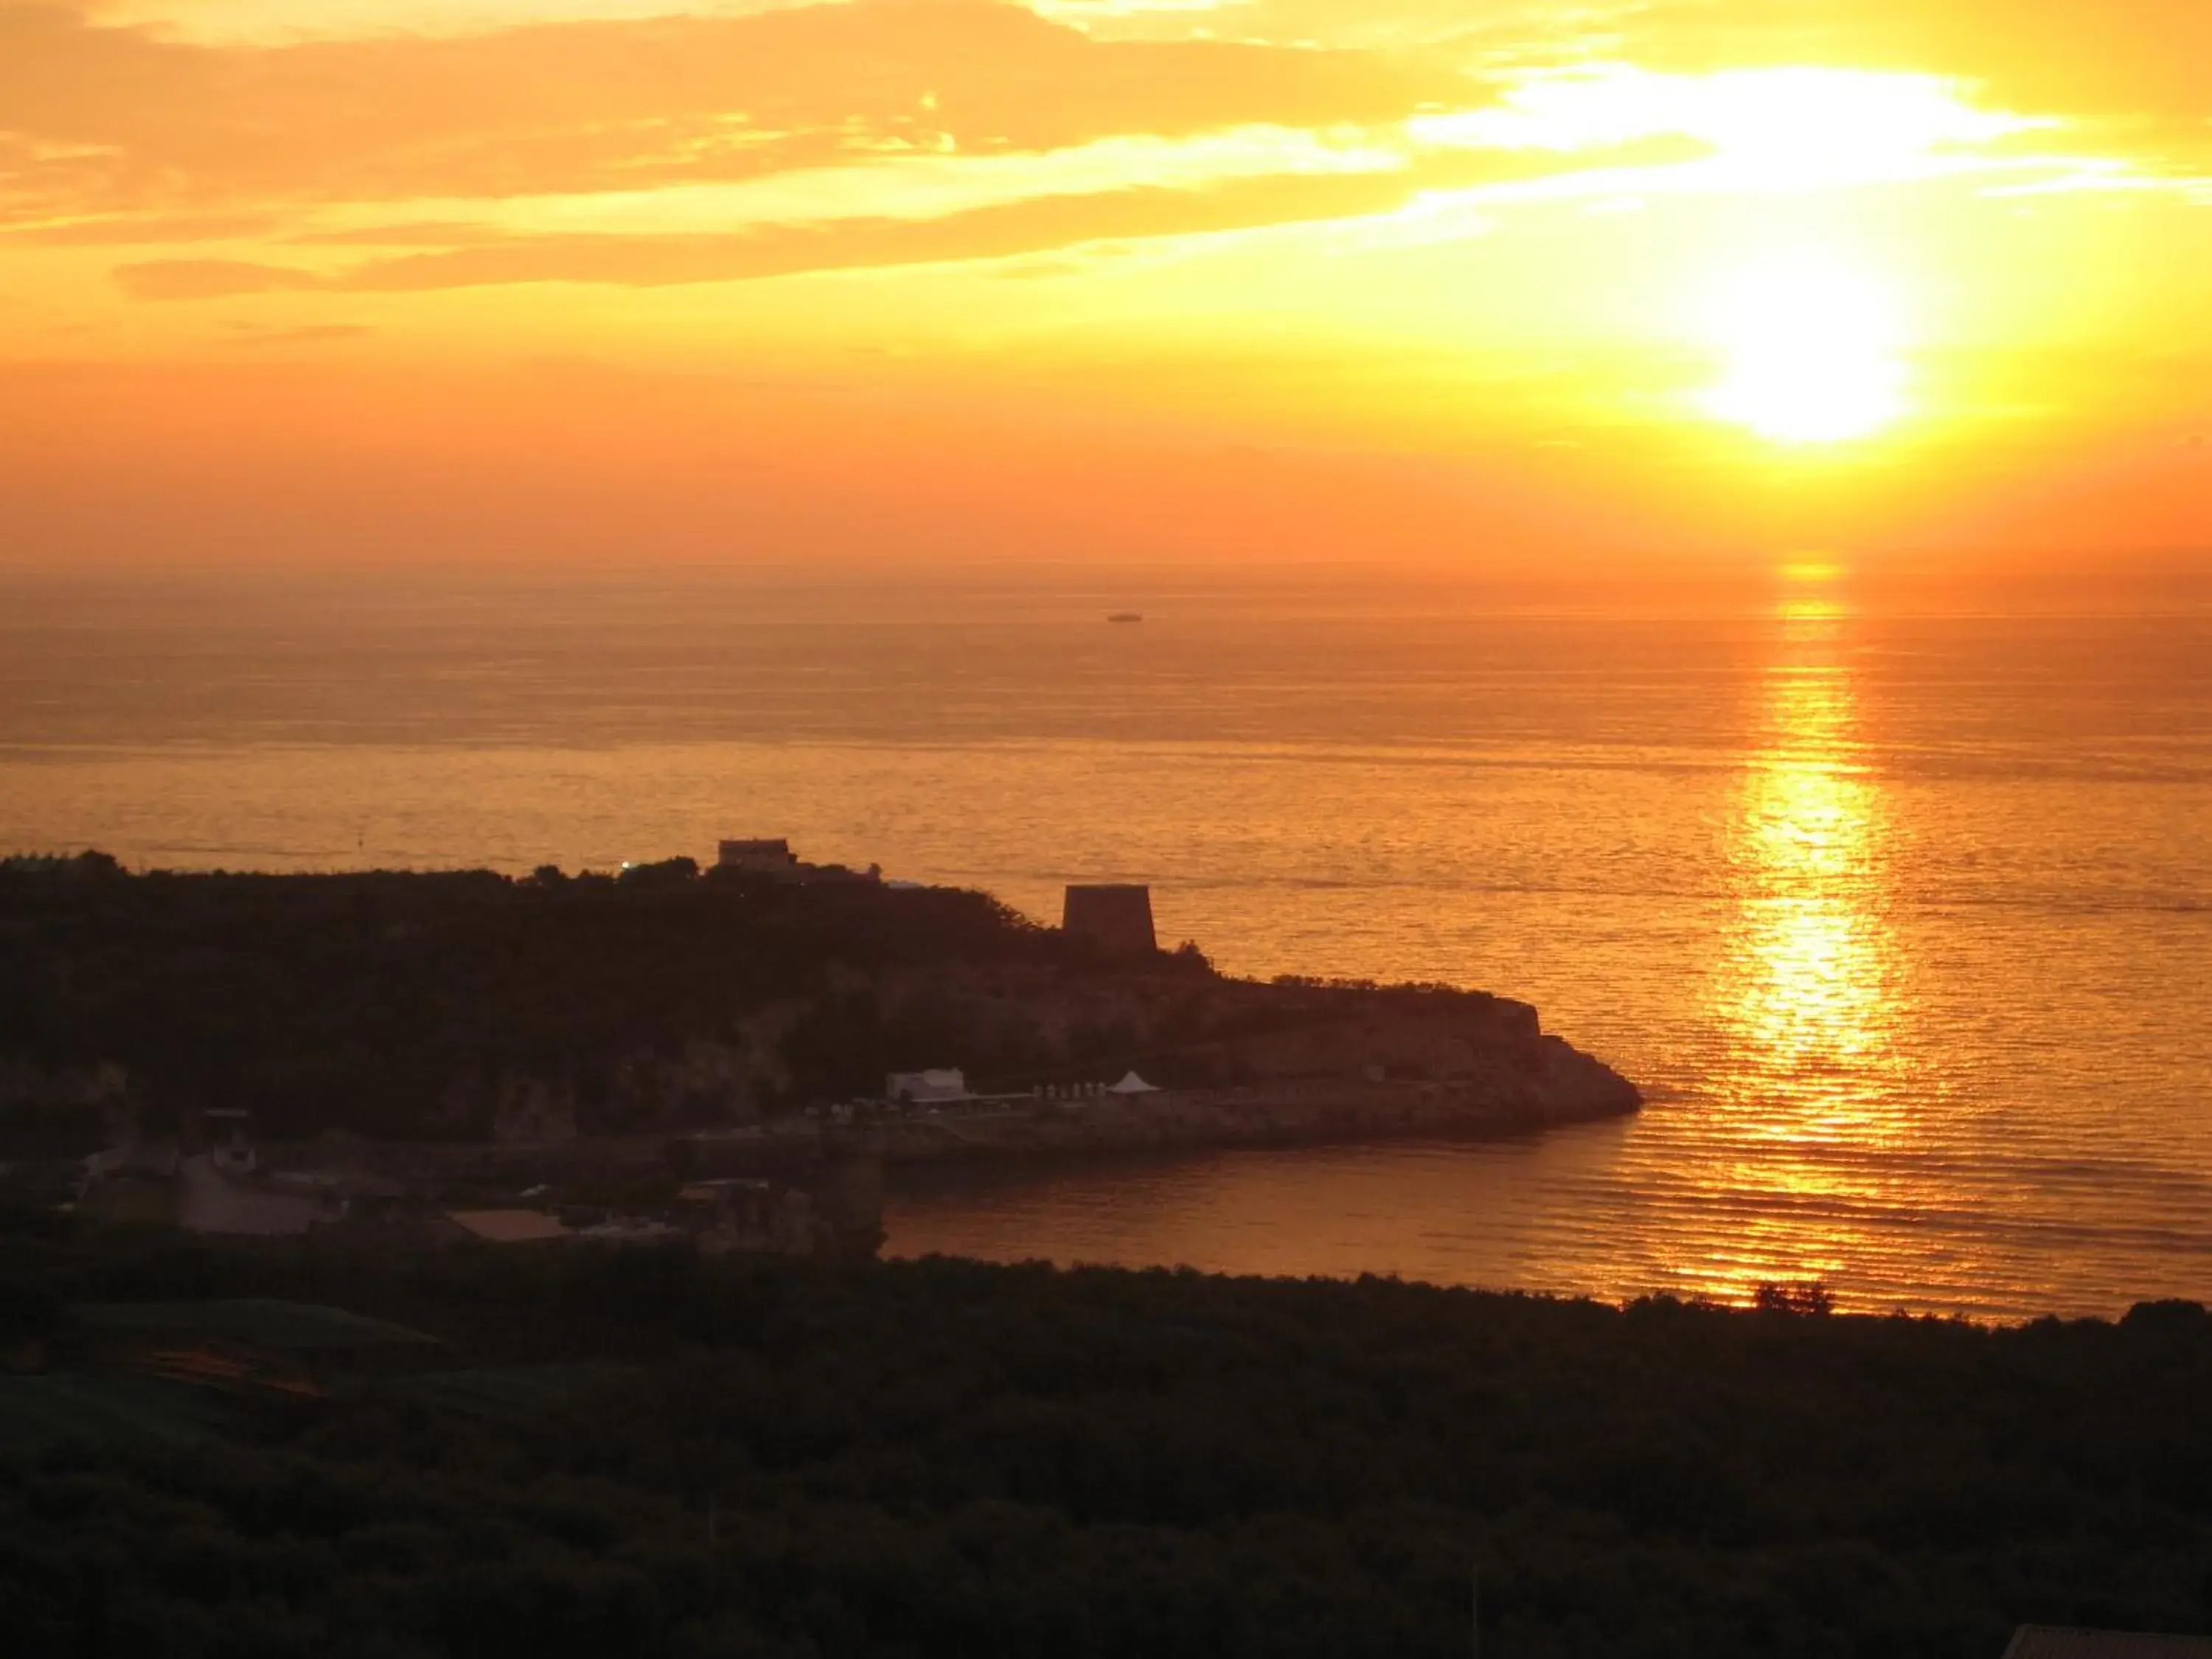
[1026,225]
[2144,65]
[126,119]
[730,141]
[2142,68]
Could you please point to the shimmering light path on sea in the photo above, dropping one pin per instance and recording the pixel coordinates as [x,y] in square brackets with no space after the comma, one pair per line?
[1903,920]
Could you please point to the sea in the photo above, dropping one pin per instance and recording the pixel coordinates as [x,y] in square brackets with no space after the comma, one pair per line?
[1894,896]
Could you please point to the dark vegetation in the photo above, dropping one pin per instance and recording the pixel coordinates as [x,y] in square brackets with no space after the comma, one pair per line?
[405,1005]
[356,1000]
[944,1458]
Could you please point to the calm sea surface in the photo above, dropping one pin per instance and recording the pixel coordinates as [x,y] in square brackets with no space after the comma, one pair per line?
[1903,918]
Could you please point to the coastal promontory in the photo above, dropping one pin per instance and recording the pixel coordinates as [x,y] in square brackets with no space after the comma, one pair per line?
[723,1023]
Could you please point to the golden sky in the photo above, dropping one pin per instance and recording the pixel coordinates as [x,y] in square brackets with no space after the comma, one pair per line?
[322,282]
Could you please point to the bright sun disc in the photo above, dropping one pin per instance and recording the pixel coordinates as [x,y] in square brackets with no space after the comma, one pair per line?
[1812,356]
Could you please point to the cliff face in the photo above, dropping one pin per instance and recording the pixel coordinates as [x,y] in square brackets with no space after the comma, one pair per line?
[1042,1024]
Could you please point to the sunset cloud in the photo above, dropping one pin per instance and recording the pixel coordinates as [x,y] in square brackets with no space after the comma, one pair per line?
[2140,64]
[473,256]
[126,119]
[126,135]
[1471,230]
[284,21]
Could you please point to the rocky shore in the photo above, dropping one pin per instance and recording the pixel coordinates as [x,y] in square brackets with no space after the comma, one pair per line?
[1281,1114]
[1567,1087]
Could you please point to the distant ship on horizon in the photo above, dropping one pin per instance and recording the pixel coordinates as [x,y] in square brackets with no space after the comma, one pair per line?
[1126,616]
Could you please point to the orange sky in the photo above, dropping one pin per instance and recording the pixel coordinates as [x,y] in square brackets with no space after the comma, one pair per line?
[604,282]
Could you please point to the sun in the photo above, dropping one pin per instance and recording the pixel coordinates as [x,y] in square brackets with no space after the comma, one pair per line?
[1811,353]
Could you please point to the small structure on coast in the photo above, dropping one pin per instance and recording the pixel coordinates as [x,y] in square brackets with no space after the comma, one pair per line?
[764,855]
[772,856]
[228,1133]
[1115,917]
[753,1216]
[508,1227]
[931,1087]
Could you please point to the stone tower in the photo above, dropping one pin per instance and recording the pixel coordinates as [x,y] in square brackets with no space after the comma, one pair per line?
[1117,919]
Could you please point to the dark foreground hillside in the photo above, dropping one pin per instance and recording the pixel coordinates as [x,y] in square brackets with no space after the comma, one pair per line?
[642,1454]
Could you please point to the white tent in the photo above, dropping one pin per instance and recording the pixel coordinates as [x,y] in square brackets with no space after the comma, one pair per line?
[1131,1084]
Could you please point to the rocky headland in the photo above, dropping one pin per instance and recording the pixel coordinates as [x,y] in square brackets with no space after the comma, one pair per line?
[461,1027]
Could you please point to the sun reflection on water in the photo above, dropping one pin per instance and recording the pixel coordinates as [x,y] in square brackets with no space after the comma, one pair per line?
[1807,992]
